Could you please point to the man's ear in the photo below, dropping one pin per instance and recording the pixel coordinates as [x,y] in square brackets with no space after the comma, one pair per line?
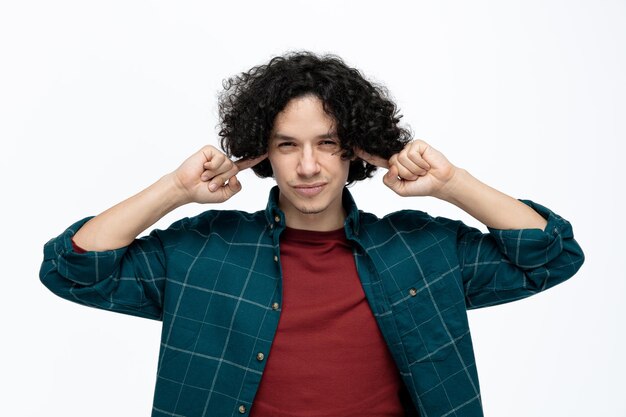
[269,162]
[371,159]
[355,153]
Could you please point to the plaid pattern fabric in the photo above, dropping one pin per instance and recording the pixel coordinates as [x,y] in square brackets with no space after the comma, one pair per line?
[215,282]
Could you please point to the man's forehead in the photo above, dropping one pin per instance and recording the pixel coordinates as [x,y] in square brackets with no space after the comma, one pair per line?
[304,118]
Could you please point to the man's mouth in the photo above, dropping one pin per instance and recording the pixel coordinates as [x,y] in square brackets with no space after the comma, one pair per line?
[309,190]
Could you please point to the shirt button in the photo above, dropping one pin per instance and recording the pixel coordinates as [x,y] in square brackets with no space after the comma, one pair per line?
[275,306]
[413,292]
[275,258]
[277,219]
[242,409]
[260,356]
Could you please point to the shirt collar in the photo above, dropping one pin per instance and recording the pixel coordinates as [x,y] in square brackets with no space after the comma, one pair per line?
[276,218]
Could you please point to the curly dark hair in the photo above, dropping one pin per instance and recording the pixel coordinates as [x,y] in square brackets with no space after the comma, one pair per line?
[364,114]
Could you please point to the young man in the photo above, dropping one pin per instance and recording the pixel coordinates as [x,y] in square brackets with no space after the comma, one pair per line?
[312,307]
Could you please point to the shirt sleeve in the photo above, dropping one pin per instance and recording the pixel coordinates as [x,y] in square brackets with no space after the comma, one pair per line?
[507,265]
[127,280]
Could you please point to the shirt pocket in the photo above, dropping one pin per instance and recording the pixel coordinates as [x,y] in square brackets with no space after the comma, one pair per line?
[431,318]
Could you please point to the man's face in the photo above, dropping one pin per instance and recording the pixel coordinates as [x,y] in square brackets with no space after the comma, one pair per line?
[305,155]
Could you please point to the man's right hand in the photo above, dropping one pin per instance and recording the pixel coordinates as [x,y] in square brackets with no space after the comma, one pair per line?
[208,176]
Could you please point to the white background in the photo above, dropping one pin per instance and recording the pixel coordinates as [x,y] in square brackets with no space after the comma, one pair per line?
[99,99]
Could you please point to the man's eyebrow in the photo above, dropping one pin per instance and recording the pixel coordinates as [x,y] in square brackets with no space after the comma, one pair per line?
[282,137]
[330,135]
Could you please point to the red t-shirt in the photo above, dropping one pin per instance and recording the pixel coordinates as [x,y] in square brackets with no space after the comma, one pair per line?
[329,357]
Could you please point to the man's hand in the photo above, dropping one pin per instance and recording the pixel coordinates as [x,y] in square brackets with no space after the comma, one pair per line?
[421,170]
[417,170]
[208,176]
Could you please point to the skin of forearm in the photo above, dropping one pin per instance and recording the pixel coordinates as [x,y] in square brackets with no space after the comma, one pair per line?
[121,224]
[488,205]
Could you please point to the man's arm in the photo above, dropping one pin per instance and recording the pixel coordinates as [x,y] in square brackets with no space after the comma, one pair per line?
[118,272]
[525,252]
[421,170]
[208,176]
[490,206]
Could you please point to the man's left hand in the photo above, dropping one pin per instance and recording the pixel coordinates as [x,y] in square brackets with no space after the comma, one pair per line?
[417,170]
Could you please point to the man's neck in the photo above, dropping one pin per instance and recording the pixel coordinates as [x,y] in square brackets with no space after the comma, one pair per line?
[320,222]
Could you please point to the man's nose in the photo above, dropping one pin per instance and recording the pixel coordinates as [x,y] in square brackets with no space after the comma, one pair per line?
[308,165]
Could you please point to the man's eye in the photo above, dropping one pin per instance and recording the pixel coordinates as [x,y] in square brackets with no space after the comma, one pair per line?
[285,144]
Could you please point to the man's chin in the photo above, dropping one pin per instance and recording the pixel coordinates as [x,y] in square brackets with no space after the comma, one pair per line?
[310,210]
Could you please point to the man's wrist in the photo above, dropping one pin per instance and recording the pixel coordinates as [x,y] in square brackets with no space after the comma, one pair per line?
[175,193]
[457,184]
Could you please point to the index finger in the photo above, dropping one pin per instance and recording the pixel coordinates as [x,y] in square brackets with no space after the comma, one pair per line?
[245,163]
[375,160]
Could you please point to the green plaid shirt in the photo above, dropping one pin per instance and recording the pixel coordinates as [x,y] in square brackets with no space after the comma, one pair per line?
[215,282]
